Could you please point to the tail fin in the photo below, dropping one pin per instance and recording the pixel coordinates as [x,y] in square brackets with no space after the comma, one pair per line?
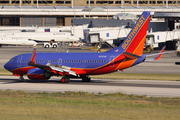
[32,59]
[134,42]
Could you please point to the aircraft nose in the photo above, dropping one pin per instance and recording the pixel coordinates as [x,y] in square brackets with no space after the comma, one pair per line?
[6,66]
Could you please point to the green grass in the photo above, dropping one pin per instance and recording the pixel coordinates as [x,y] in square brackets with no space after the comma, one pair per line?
[139,76]
[129,76]
[81,105]
[5,72]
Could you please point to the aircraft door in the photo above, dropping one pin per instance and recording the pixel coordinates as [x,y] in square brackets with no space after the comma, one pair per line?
[111,60]
[60,62]
[19,60]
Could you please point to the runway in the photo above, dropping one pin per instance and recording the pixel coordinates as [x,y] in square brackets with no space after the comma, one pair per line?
[149,88]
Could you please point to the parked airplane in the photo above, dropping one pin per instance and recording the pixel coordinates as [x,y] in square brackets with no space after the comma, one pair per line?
[48,36]
[41,66]
[31,38]
[17,41]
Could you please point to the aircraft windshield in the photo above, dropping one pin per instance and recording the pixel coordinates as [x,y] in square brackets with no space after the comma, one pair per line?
[11,60]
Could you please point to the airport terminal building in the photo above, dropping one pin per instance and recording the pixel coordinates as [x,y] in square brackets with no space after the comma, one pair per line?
[92,2]
[60,12]
[96,13]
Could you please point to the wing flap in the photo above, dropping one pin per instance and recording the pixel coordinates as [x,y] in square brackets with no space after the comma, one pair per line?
[63,70]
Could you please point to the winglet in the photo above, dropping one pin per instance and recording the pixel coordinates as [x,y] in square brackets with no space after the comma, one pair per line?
[160,54]
[32,59]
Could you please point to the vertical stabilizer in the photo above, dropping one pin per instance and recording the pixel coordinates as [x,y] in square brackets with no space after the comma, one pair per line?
[32,59]
[134,42]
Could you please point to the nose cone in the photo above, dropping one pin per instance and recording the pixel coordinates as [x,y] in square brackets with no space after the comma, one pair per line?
[6,66]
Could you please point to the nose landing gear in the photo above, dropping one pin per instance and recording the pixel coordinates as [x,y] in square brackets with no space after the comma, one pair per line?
[21,78]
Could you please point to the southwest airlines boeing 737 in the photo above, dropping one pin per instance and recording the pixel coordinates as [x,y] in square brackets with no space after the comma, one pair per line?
[41,66]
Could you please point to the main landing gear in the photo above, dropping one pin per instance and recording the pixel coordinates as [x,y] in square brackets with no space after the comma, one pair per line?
[65,79]
[86,79]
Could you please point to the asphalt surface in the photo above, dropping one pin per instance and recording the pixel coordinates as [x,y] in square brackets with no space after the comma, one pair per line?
[166,65]
[149,88]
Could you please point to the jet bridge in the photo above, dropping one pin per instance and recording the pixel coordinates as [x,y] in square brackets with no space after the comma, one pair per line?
[159,39]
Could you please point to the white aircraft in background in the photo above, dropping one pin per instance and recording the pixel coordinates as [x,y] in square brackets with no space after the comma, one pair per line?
[32,38]
[17,41]
[57,34]
[45,37]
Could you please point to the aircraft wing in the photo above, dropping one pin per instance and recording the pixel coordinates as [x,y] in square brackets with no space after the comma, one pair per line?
[54,69]
[158,55]
[63,70]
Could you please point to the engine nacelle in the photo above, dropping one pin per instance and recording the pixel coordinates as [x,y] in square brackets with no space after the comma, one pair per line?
[36,74]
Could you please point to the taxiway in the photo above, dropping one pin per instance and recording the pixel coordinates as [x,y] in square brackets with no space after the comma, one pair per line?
[149,88]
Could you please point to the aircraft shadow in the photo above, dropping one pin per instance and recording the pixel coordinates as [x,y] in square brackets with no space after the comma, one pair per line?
[73,81]
[94,82]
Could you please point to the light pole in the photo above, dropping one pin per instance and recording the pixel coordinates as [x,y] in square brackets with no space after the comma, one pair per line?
[72,4]
[89,8]
[121,3]
[37,4]
[137,3]
[19,3]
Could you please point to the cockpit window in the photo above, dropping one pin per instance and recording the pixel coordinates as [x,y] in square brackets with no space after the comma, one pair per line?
[11,60]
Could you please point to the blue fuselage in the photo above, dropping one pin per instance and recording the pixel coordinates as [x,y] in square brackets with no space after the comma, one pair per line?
[87,61]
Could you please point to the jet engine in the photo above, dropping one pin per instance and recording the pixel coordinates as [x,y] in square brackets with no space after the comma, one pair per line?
[38,74]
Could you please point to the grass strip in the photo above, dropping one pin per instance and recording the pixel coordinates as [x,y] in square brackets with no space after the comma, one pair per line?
[129,76]
[5,72]
[139,76]
[83,105]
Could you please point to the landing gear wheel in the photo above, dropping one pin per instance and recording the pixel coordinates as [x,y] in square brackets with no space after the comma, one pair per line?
[65,79]
[47,75]
[54,46]
[21,78]
[47,46]
[86,79]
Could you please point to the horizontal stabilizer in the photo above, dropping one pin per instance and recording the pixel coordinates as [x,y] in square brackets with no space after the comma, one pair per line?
[130,56]
[161,52]
[158,55]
